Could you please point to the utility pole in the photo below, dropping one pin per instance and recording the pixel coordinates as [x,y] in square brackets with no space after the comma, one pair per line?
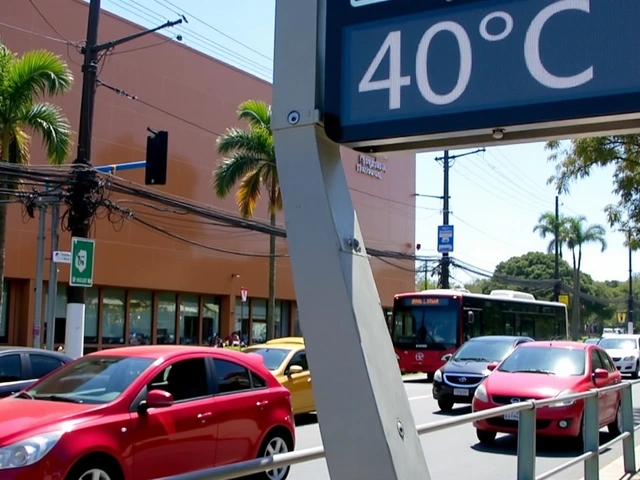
[444,265]
[556,267]
[52,294]
[42,226]
[82,209]
[444,273]
[630,296]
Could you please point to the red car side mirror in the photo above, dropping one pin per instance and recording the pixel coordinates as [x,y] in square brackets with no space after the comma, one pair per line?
[492,366]
[600,374]
[158,399]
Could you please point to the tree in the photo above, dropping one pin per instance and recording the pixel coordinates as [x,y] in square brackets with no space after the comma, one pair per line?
[578,235]
[533,273]
[24,82]
[250,163]
[622,152]
[546,227]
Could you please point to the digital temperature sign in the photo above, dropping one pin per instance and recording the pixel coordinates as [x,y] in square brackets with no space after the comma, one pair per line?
[426,74]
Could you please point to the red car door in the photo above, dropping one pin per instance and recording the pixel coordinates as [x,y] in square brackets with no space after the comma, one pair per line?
[612,398]
[179,438]
[607,401]
[241,412]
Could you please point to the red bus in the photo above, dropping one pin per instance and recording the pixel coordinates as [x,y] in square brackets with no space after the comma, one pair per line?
[430,324]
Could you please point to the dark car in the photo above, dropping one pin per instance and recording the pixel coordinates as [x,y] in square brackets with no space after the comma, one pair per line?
[457,380]
[21,366]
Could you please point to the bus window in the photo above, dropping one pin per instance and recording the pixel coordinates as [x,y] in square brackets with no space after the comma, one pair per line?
[472,324]
[427,325]
[545,327]
[527,325]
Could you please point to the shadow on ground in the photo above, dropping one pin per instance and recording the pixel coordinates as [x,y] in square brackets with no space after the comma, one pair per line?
[306,419]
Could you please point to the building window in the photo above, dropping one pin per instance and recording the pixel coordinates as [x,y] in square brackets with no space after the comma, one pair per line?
[242,317]
[210,319]
[90,315]
[4,315]
[189,316]
[166,318]
[140,317]
[259,320]
[113,316]
[296,323]
[277,319]
[60,315]
[285,316]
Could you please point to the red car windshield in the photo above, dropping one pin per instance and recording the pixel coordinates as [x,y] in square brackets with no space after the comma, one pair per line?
[92,380]
[564,362]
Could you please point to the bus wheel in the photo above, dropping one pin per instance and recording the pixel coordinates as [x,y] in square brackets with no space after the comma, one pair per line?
[430,377]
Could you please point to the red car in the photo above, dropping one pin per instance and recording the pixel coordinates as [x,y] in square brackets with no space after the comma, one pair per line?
[140,413]
[538,370]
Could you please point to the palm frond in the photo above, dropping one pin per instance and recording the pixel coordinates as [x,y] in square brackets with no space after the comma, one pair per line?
[53,127]
[256,112]
[231,170]
[248,193]
[19,147]
[35,74]
[256,142]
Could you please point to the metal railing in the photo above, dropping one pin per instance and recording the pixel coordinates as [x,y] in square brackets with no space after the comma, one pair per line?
[526,466]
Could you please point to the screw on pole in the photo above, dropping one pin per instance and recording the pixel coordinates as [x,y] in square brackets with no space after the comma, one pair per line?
[527,444]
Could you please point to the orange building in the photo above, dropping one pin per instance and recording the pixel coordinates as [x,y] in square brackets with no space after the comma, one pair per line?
[149,287]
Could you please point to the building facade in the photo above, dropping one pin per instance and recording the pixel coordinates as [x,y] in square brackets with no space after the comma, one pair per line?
[151,287]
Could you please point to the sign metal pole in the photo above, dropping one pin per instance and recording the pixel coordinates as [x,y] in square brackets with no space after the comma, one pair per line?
[373,435]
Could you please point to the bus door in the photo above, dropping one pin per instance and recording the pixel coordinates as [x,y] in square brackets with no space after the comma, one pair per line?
[472,321]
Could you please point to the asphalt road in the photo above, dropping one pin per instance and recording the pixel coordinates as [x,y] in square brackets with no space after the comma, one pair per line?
[455,452]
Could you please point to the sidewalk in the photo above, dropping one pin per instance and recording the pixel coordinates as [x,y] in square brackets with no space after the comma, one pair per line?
[615,470]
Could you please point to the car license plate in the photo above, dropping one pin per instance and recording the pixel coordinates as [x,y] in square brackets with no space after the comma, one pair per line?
[461,392]
[512,416]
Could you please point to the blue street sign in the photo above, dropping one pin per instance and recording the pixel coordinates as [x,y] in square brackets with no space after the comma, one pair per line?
[407,74]
[445,238]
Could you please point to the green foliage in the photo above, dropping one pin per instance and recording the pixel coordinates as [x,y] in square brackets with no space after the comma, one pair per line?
[250,160]
[537,270]
[622,153]
[24,82]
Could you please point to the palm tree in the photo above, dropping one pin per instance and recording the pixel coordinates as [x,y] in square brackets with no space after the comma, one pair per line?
[24,81]
[577,235]
[250,163]
[546,227]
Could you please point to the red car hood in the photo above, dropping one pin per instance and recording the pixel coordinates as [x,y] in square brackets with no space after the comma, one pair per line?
[528,385]
[22,418]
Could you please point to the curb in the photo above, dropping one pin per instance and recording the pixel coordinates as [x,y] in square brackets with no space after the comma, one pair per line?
[615,470]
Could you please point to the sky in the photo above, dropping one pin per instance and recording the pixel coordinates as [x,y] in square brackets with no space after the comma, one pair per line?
[496,196]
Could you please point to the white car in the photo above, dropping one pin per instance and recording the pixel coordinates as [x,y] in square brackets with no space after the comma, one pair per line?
[625,352]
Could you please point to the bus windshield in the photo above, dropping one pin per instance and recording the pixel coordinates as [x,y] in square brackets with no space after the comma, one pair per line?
[426,322]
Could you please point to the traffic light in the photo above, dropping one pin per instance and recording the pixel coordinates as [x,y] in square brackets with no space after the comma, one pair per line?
[156,166]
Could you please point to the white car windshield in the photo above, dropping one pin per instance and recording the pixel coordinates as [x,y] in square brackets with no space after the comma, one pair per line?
[619,343]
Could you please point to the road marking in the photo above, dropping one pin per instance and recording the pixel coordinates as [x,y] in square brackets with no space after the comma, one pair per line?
[420,397]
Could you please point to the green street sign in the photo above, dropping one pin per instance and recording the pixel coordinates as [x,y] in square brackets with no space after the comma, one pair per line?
[82,252]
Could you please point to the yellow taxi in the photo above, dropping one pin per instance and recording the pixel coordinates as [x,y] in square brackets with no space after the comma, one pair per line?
[287,360]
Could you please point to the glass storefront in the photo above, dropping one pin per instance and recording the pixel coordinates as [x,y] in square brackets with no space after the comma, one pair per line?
[113,316]
[140,317]
[118,316]
[166,318]
[189,317]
